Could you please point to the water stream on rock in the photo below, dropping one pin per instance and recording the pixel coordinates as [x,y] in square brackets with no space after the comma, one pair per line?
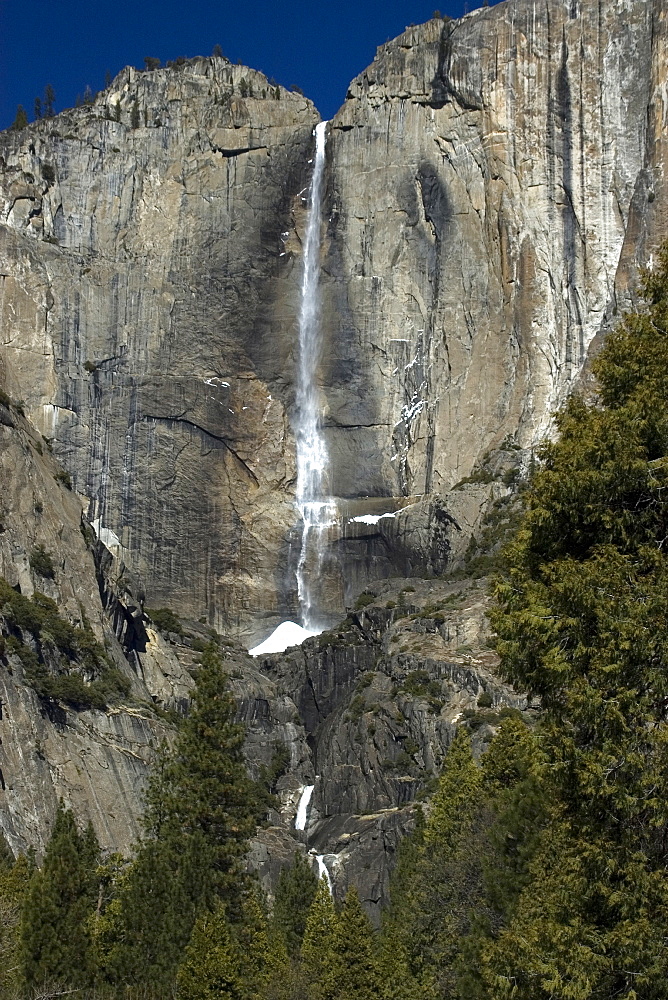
[316,507]
[302,808]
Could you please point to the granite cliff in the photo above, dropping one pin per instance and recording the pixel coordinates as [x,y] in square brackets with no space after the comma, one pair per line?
[491,186]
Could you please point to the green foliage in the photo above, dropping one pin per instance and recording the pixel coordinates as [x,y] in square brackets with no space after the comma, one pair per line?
[49,101]
[364,600]
[353,968]
[201,809]
[14,879]
[41,562]
[318,936]
[20,120]
[295,891]
[581,623]
[64,661]
[165,620]
[211,968]
[55,944]
[63,477]
[266,785]
[485,700]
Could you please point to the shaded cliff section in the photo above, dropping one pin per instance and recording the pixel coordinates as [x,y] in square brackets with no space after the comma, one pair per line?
[147,303]
[96,759]
[493,184]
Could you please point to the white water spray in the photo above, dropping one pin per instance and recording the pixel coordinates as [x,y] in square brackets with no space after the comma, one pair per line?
[316,509]
[302,808]
[324,870]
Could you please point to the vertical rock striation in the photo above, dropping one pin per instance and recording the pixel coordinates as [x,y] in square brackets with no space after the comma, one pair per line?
[484,176]
[148,314]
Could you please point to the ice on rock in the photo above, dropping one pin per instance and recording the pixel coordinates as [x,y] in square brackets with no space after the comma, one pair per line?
[371,518]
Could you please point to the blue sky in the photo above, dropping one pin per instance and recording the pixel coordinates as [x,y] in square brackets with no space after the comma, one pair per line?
[319,47]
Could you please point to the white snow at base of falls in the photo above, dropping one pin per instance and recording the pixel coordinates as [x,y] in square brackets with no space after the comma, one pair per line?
[284,635]
[302,808]
[371,518]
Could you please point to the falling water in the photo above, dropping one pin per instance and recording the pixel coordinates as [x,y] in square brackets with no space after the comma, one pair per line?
[324,870]
[302,808]
[315,507]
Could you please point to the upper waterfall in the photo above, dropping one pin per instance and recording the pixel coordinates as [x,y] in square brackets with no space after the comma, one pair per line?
[315,506]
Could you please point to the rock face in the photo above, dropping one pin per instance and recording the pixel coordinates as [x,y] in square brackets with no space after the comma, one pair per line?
[148,305]
[491,184]
[485,177]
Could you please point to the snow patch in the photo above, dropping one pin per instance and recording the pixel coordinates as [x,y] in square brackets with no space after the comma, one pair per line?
[372,518]
[108,537]
[284,635]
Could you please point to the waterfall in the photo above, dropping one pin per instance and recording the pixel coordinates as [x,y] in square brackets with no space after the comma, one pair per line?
[324,870]
[302,808]
[315,507]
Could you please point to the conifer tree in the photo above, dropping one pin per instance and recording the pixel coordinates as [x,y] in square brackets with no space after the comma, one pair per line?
[14,880]
[21,119]
[295,891]
[134,114]
[49,101]
[318,937]
[581,623]
[200,814]
[353,969]
[60,899]
[211,968]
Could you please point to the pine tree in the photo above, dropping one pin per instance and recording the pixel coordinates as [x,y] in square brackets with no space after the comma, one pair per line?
[318,937]
[38,108]
[353,973]
[49,101]
[582,623]
[14,880]
[211,967]
[295,891]
[134,114]
[21,119]
[54,933]
[200,813]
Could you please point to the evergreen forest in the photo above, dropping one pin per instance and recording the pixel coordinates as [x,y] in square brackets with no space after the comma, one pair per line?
[537,871]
